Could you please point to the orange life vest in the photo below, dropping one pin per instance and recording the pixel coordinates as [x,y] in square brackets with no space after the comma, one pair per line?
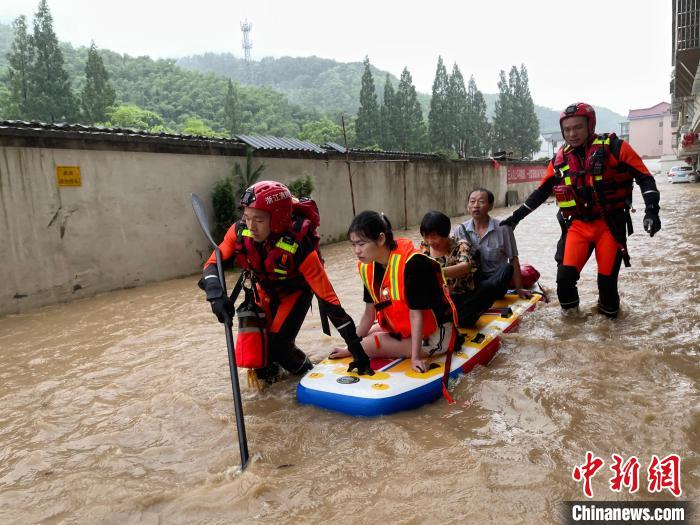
[390,299]
[596,187]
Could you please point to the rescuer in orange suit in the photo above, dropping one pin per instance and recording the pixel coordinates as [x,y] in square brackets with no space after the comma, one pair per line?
[277,242]
[591,178]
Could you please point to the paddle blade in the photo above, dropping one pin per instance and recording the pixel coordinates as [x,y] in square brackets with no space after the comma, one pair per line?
[201,214]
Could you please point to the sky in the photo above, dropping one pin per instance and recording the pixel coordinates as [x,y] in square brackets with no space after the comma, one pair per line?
[615,54]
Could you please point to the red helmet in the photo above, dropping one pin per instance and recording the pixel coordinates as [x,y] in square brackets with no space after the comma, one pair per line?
[580,109]
[272,197]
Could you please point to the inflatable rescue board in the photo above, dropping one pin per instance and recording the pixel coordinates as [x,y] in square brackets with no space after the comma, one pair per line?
[395,386]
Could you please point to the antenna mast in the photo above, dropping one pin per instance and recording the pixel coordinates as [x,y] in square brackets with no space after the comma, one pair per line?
[246,27]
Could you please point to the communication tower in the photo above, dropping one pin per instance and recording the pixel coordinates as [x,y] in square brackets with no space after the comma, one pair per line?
[246,27]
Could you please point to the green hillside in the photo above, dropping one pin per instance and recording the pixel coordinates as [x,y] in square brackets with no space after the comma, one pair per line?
[277,95]
[328,85]
[321,83]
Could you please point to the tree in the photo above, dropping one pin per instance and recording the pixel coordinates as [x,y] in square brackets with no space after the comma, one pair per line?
[503,122]
[321,131]
[131,116]
[20,60]
[97,95]
[232,111]
[439,117]
[515,124]
[367,126]
[225,204]
[245,179]
[409,127]
[456,118]
[52,98]
[388,116]
[478,127]
[6,104]
[527,132]
[196,126]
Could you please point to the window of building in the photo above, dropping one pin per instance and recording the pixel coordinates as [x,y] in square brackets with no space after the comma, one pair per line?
[661,143]
[661,124]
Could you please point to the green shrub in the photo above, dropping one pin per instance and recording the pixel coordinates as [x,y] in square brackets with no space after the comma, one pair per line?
[227,193]
[447,154]
[225,207]
[301,187]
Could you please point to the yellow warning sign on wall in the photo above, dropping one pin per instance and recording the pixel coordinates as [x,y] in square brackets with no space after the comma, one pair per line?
[68,176]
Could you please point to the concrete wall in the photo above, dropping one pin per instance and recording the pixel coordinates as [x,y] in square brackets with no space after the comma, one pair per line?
[131,221]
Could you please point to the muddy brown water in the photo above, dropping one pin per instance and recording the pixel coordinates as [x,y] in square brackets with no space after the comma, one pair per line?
[117,409]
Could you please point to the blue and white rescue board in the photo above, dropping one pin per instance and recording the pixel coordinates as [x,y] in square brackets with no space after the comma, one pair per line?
[394,385]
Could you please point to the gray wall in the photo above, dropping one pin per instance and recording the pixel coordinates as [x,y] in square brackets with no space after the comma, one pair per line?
[131,221]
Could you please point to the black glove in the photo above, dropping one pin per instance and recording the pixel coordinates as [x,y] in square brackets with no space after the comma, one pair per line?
[518,215]
[511,221]
[220,304]
[222,307]
[360,361]
[652,223]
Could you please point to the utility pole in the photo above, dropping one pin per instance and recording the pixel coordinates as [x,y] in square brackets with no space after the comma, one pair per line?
[347,161]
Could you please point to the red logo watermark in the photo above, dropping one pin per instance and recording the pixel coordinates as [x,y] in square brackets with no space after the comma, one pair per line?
[662,474]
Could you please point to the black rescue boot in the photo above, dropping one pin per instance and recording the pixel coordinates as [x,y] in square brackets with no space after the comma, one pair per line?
[294,360]
[567,292]
[305,367]
[608,297]
[269,374]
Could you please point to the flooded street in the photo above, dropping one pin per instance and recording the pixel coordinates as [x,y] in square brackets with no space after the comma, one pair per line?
[117,409]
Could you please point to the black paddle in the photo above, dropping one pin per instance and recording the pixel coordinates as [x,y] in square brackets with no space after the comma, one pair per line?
[201,215]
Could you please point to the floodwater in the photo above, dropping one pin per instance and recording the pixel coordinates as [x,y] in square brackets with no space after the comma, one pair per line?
[117,409]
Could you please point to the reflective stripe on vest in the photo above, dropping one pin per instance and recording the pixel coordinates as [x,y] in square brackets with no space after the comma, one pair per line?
[291,248]
[393,269]
[281,243]
[367,276]
[392,275]
[566,204]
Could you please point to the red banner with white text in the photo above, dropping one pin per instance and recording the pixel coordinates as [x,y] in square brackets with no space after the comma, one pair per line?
[525,173]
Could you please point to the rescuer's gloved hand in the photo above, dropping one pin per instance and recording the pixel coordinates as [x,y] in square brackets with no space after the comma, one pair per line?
[360,360]
[222,308]
[221,305]
[511,222]
[518,215]
[652,223]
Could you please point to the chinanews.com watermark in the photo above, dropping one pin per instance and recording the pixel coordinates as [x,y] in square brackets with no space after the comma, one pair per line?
[613,512]
[662,475]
